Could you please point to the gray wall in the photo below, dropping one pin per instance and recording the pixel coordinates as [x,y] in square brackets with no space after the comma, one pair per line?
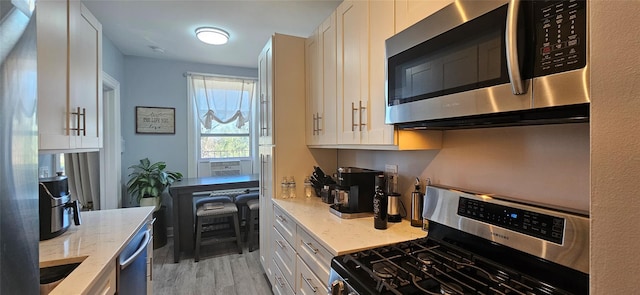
[160,83]
[112,60]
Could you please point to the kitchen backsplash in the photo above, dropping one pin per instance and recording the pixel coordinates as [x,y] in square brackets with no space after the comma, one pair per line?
[546,164]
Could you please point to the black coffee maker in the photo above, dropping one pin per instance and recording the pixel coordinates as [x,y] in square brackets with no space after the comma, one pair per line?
[354,190]
[55,207]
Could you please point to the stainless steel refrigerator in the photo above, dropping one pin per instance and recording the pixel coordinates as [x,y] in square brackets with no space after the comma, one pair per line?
[19,231]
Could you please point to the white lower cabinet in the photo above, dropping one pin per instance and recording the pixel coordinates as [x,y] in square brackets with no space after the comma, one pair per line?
[307,281]
[280,285]
[316,257]
[284,256]
[106,283]
[300,263]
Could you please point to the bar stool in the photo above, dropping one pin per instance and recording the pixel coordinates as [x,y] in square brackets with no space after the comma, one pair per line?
[243,210]
[253,223]
[211,214]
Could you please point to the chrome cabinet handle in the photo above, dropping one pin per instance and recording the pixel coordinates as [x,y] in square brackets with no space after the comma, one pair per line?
[318,117]
[362,108]
[281,218]
[150,268]
[79,114]
[280,282]
[308,281]
[511,48]
[310,246]
[353,122]
[280,244]
[314,124]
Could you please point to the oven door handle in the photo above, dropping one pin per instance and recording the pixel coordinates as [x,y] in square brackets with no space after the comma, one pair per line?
[511,48]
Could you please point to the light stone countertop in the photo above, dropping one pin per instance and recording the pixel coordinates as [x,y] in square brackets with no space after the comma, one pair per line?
[342,236]
[95,243]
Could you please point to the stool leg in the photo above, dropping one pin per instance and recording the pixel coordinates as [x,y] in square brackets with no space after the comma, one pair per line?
[250,226]
[236,224]
[196,256]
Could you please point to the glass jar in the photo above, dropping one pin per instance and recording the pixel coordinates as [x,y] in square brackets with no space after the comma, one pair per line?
[284,188]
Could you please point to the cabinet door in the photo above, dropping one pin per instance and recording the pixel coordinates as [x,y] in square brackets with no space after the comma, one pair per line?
[307,282]
[379,30]
[85,75]
[409,12]
[352,44]
[265,78]
[266,208]
[326,123]
[53,117]
[313,73]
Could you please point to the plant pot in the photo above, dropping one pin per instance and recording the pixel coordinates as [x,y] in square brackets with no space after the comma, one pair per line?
[151,201]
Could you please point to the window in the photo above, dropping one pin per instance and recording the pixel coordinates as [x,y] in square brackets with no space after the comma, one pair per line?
[221,110]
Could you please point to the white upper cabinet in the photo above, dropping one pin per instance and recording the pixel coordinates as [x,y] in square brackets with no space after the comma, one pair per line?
[321,84]
[379,30]
[362,28]
[69,77]
[409,12]
[353,68]
[265,86]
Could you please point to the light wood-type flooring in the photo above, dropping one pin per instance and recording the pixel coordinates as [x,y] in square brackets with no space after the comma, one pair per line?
[221,270]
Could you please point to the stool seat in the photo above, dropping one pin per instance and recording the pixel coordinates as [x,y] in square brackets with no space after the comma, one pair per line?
[244,198]
[254,221]
[216,208]
[253,205]
[213,212]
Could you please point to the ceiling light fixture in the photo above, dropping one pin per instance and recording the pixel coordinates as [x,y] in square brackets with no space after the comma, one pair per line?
[211,35]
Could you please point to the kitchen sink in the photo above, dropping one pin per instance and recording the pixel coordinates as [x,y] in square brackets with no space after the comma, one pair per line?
[51,276]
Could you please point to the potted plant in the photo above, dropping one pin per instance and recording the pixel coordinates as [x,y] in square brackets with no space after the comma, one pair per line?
[148,181]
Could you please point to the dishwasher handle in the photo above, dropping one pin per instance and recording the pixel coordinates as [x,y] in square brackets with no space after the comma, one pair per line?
[140,250]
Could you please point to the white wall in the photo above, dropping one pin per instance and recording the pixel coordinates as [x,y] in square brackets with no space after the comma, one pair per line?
[615,147]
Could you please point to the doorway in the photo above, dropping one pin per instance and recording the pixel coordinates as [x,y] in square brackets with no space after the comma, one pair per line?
[111,152]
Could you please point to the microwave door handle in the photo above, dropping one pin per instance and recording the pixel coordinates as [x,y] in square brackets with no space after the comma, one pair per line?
[511,44]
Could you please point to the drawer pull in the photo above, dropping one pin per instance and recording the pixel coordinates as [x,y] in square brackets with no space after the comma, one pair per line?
[310,246]
[308,281]
[281,218]
[280,282]
[280,244]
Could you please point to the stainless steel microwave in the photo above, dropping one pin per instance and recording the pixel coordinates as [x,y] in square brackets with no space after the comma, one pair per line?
[491,63]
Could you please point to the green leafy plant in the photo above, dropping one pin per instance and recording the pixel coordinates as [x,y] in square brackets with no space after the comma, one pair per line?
[150,180]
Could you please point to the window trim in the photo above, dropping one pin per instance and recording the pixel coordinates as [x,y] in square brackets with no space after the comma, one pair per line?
[193,129]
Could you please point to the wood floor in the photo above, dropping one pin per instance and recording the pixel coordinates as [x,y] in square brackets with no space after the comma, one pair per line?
[221,270]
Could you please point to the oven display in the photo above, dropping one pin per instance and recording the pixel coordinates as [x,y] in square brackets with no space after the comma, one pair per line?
[542,226]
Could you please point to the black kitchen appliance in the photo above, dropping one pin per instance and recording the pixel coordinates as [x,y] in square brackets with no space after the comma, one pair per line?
[354,191]
[55,207]
[475,244]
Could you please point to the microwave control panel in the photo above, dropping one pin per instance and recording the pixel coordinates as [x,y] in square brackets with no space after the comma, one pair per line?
[543,226]
[561,36]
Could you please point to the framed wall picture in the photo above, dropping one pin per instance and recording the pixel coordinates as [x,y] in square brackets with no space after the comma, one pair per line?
[155,120]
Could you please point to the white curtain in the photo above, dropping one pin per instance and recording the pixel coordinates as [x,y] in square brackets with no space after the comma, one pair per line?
[221,100]
[83,171]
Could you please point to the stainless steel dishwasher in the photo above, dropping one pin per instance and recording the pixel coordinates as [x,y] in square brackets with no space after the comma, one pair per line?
[131,275]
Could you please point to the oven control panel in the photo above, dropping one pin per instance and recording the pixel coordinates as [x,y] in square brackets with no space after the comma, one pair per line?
[531,223]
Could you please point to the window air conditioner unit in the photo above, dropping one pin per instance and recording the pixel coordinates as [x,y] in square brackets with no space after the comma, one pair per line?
[224,168]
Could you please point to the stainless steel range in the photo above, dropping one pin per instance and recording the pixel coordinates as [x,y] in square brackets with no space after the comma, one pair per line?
[475,244]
